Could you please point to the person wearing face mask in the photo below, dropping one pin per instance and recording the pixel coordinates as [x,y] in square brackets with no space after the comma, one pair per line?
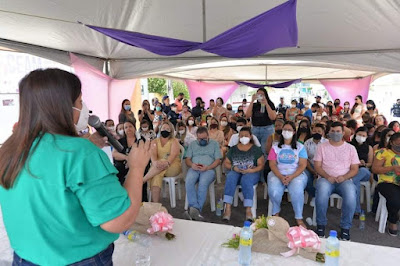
[307,111]
[216,134]
[371,108]
[336,162]
[240,112]
[198,109]
[395,110]
[288,160]
[385,134]
[165,160]
[366,118]
[387,165]
[191,125]
[226,129]
[173,116]
[292,112]
[145,131]
[109,123]
[178,101]
[183,135]
[159,117]
[338,109]
[358,109]
[395,126]
[376,138]
[126,113]
[262,114]
[241,122]
[245,161]
[85,206]
[346,108]
[303,131]
[202,157]
[166,107]
[365,155]
[218,109]
[120,131]
[146,113]
[318,137]
[274,138]
[185,114]
[230,110]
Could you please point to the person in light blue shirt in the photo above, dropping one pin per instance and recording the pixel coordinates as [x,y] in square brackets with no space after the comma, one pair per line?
[202,156]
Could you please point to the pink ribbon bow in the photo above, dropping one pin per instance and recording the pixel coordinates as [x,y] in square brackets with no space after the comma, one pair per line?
[160,222]
[299,237]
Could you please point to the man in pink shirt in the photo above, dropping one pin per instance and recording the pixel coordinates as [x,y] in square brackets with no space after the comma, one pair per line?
[178,102]
[336,162]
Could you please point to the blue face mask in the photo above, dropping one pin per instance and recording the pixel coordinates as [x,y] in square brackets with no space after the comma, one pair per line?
[203,142]
[127,107]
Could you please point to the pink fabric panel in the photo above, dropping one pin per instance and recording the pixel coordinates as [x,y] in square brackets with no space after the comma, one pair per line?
[119,90]
[347,90]
[209,91]
[94,86]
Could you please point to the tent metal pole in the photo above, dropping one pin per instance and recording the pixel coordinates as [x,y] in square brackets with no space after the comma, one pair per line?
[266,73]
[106,70]
[204,20]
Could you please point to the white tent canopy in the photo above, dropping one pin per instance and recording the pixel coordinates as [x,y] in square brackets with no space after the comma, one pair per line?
[337,39]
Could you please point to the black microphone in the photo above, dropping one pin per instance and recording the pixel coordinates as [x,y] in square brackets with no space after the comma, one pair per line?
[94,121]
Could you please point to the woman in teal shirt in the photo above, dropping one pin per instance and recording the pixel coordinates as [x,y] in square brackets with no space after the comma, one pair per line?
[61,200]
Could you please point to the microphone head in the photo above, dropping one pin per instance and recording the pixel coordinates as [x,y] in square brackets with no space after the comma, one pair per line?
[94,121]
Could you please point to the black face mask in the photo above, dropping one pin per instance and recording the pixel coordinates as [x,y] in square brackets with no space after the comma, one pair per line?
[378,134]
[316,136]
[303,130]
[229,109]
[213,126]
[336,104]
[314,111]
[278,131]
[165,134]
[370,108]
[233,126]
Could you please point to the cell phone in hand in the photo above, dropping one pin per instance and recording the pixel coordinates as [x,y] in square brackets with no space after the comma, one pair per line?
[201,165]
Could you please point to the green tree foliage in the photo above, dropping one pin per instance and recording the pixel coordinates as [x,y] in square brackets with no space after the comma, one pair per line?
[180,87]
[157,85]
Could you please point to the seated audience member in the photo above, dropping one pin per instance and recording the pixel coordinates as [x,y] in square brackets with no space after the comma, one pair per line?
[298,119]
[191,125]
[346,108]
[318,137]
[159,117]
[166,107]
[109,124]
[346,117]
[371,131]
[186,103]
[183,135]
[215,133]
[303,131]
[178,101]
[376,138]
[319,113]
[145,131]
[380,120]
[218,109]
[246,162]
[384,139]
[126,113]
[202,157]
[198,109]
[240,112]
[288,160]
[387,165]
[226,129]
[172,115]
[165,160]
[185,113]
[366,118]
[274,138]
[230,110]
[365,155]
[120,131]
[307,111]
[241,122]
[336,162]
[146,113]
[292,112]
[280,116]
[352,125]
[395,125]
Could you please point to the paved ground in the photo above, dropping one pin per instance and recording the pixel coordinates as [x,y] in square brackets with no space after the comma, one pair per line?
[370,235]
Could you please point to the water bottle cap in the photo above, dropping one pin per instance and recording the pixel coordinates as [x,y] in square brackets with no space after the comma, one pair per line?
[247,224]
[333,233]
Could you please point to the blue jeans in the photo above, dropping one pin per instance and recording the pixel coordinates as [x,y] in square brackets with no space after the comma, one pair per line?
[296,191]
[103,258]
[346,189]
[310,184]
[262,134]
[197,198]
[247,181]
[363,175]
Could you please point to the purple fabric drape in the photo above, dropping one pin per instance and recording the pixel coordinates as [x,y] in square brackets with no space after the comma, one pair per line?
[270,30]
[277,85]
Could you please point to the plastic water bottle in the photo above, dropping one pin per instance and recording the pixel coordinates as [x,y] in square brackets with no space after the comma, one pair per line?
[246,240]
[218,211]
[332,252]
[132,235]
[362,220]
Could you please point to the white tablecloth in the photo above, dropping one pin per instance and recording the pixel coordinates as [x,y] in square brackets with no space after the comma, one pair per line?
[199,243]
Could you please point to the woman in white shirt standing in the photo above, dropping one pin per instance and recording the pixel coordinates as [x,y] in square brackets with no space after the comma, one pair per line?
[358,110]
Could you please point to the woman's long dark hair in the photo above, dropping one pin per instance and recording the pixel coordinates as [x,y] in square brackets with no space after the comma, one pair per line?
[308,129]
[382,143]
[293,144]
[122,105]
[393,138]
[355,104]
[46,99]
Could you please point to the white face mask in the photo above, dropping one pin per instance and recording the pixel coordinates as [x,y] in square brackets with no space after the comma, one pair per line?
[346,106]
[244,140]
[190,122]
[238,128]
[83,117]
[181,132]
[110,128]
[121,132]
[293,106]
[360,139]
[173,109]
[145,129]
[224,123]
[287,134]
[307,106]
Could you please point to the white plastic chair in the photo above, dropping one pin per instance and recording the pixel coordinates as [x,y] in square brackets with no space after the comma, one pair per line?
[218,173]
[381,214]
[211,191]
[236,199]
[332,203]
[170,181]
[367,186]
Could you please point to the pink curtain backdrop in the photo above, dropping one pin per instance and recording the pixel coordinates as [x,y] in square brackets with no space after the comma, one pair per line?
[347,90]
[209,91]
[101,93]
